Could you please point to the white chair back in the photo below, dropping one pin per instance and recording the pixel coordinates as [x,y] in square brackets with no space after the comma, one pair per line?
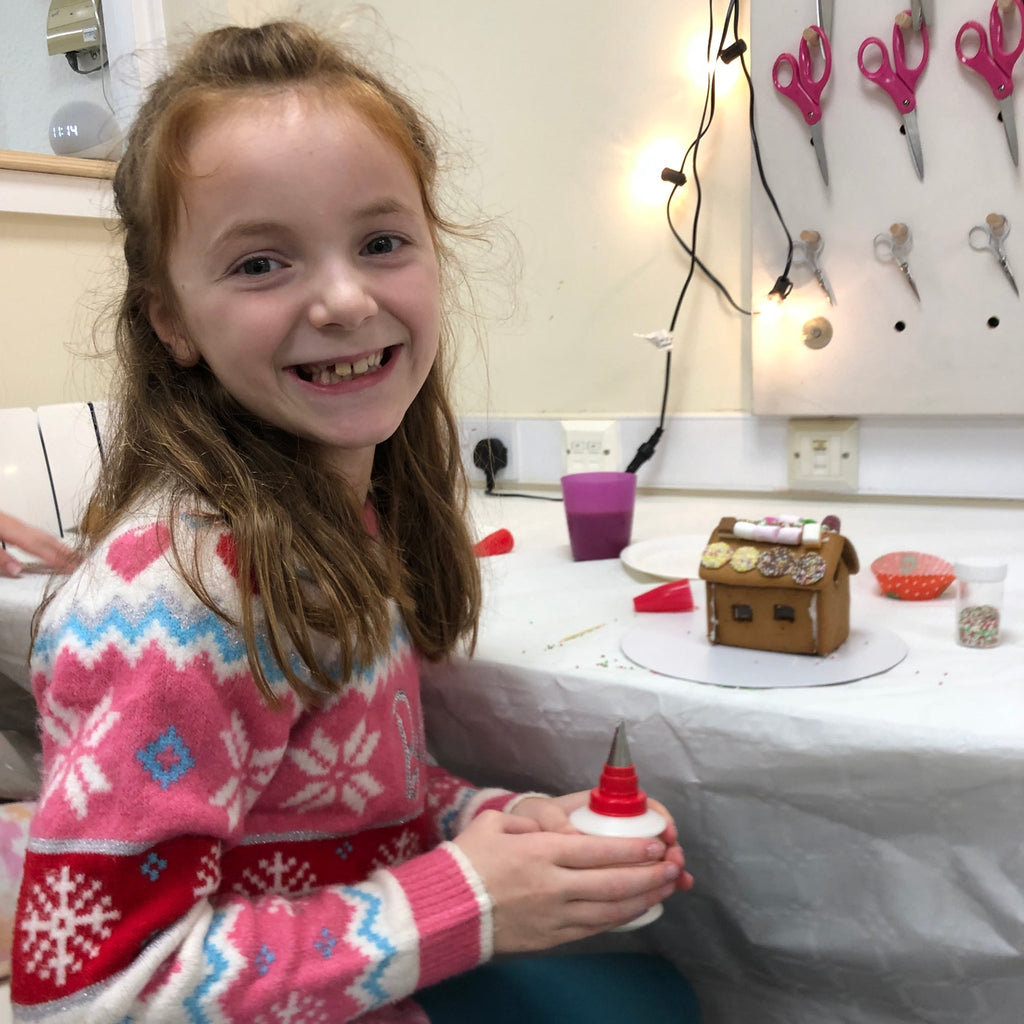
[71,439]
[25,489]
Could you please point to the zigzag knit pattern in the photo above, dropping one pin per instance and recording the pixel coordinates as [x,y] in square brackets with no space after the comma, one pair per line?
[199,856]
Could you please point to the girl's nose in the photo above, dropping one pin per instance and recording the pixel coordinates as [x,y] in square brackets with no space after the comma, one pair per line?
[341,299]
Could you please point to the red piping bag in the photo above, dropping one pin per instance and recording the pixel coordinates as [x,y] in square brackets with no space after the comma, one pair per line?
[669,597]
[498,543]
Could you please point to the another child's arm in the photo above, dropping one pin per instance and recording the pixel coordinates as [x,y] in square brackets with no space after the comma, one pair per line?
[50,550]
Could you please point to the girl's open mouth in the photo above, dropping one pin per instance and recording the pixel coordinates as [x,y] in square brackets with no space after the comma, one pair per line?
[335,373]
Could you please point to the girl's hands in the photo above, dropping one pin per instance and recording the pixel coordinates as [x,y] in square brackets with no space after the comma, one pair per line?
[550,887]
[552,815]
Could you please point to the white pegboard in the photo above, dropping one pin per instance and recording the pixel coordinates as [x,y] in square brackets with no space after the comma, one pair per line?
[944,357]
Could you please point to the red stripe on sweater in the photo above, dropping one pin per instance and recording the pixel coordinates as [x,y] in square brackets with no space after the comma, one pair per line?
[83,917]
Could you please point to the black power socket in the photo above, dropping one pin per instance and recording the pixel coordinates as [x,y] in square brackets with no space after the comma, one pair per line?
[491,456]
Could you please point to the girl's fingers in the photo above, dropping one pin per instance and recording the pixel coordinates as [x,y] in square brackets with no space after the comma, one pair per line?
[582,851]
[613,885]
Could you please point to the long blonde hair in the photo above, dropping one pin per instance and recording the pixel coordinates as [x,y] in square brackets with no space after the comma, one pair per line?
[178,430]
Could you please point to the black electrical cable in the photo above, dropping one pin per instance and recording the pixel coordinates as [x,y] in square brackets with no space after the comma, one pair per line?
[491,456]
[757,157]
[646,449]
[782,287]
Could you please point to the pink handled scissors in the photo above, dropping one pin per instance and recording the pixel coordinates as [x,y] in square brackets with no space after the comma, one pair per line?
[898,81]
[805,90]
[995,64]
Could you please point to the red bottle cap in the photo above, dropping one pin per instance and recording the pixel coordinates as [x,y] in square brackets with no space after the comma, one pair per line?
[498,543]
[618,794]
[669,597]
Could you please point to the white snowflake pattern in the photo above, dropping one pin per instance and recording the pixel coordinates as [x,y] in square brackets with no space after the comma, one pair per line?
[296,1009]
[208,875]
[76,772]
[281,876]
[336,771]
[65,921]
[397,850]
[250,765]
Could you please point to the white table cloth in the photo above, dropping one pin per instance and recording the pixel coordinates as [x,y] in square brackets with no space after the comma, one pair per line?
[858,849]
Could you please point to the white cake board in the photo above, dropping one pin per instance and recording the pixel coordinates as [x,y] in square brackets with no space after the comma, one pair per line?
[668,644]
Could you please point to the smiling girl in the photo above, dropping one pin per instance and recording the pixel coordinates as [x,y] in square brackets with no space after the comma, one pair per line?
[239,819]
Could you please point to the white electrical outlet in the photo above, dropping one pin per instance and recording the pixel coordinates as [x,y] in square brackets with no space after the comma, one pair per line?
[590,446]
[823,455]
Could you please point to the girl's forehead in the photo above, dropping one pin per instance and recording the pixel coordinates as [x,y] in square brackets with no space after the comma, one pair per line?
[304,118]
[299,110]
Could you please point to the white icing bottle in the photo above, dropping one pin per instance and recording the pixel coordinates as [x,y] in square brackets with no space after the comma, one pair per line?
[618,807]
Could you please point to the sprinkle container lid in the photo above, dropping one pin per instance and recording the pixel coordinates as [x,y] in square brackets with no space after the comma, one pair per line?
[980,570]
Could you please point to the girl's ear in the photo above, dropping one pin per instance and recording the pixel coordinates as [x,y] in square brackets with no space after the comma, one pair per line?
[170,331]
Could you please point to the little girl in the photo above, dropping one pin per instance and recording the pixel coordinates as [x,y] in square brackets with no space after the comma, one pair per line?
[239,820]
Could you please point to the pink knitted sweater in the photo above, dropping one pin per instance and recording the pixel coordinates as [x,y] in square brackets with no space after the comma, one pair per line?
[199,856]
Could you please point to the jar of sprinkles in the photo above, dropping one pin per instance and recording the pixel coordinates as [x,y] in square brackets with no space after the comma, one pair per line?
[979,601]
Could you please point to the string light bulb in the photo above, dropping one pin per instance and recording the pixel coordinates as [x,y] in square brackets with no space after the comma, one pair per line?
[781,289]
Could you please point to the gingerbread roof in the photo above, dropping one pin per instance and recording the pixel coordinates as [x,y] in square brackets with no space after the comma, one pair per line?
[736,554]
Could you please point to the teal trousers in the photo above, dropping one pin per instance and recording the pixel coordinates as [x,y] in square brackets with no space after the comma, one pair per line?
[592,988]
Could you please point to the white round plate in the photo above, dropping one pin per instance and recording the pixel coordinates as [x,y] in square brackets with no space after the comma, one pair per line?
[669,558]
[676,645]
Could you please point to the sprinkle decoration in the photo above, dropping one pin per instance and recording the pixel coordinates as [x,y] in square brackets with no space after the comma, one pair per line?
[744,559]
[716,555]
[978,626]
[775,562]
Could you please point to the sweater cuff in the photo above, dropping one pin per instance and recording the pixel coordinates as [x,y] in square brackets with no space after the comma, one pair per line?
[452,912]
[483,800]
[509,807]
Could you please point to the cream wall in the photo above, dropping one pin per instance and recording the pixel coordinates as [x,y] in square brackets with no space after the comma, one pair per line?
[557,100]
[549,105]
[55,275]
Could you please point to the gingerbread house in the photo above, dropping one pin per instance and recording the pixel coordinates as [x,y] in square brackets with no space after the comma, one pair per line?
[778,584]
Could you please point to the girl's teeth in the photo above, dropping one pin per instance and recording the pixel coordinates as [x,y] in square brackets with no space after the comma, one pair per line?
[345,371]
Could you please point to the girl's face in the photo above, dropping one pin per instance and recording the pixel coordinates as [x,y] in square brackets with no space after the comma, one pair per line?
[304,274]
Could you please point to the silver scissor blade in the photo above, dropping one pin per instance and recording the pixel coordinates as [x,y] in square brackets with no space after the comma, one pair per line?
[818,142]
[914,142]
[922,10]
[1004,263]
[1009,126]
[913,287]
[826,287]
[825,12]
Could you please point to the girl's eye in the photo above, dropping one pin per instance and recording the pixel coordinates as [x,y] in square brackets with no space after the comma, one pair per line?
[257,265]
[383,245]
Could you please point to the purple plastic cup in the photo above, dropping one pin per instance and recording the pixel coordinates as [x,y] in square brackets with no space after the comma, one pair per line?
[599,513]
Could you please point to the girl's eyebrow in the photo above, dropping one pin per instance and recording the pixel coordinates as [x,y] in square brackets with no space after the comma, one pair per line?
[254,228]
[243,230]
[383,207]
